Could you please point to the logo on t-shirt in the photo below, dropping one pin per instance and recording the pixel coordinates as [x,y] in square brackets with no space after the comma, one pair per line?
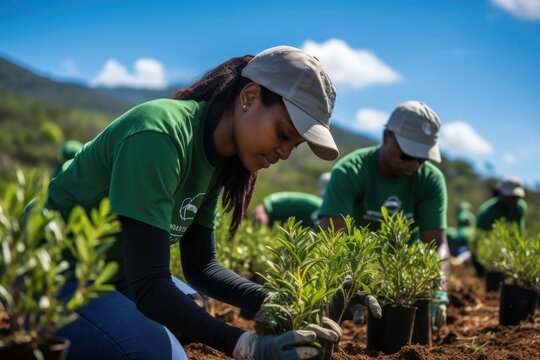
[392,204]
[190,206]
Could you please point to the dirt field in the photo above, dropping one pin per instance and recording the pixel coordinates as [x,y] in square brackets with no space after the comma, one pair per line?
[472,331]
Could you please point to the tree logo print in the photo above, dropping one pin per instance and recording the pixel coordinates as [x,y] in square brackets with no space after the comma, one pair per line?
[190,206]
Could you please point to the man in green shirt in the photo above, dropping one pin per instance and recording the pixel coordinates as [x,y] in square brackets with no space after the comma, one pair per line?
[280,206]
[397,176]
[509,204]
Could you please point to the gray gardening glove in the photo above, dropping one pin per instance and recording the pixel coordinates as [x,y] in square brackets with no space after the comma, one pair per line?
[355,309]
[291,345]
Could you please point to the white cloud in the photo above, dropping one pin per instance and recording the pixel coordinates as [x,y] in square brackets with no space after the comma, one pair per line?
[524,9]
[370,120]
[460,137]
[509,158]
[352,68]
[148,73]
[68,67]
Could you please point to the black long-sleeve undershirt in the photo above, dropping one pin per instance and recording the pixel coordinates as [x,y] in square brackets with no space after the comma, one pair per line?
[146,256]
[203,272]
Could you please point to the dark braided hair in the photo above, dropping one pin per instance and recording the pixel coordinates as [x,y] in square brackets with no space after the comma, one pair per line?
[219,88]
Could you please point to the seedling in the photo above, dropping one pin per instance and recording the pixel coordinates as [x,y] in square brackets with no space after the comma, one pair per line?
[33,268]
[475,347]
[487,249]
[519,254]
[294,281]
[349,254]
[407,271]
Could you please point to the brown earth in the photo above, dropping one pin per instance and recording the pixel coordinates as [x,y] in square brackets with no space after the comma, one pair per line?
[472,331]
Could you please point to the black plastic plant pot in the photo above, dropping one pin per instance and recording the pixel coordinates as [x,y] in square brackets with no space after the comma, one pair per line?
[52,349]
[422,323]
[493,280]
[391,332]
[516,303]
[478,268]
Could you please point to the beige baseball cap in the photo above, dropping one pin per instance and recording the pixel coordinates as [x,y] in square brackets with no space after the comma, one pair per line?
[416,128]
[307,91]
[512,186]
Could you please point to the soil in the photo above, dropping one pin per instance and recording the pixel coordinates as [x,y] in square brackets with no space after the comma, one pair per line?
[472,330]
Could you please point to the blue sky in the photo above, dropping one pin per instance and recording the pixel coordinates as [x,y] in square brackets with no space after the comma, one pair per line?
[475,62]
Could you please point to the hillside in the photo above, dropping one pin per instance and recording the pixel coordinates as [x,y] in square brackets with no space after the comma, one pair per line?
[37,114]
[136,96]
[16,79]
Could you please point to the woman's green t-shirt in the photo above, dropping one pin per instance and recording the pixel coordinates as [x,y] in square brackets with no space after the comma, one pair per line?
[152,165]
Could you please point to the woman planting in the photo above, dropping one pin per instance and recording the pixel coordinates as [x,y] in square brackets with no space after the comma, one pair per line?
[163,165]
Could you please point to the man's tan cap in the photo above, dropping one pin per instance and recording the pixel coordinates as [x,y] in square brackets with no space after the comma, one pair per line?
[416,128]
[307,91]
[512,186]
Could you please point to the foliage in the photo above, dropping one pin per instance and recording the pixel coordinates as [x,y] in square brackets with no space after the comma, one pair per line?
[487,249]
[520,254]
[33,268]
[348,254]
[407,271]
[31,133]
[309,268]
[294,282]
[245,253]
[475,347]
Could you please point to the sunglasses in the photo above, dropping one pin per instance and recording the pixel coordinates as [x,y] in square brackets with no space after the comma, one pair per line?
[404,157]
[407,158]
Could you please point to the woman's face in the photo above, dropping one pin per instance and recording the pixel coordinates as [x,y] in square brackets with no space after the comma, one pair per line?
[263,134]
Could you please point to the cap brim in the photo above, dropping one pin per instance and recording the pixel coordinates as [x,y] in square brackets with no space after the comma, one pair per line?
[418,149]
[318,137]
[519,192]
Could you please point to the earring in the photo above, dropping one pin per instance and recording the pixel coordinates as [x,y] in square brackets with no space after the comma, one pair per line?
[244,108]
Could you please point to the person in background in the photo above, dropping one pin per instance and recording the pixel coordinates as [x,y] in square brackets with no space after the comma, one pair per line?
[163,165]
[460,237]
[397,175]
[280,206]
[509,204]
[65,153]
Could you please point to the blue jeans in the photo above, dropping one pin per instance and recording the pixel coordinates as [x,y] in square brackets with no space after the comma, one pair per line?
[111,327]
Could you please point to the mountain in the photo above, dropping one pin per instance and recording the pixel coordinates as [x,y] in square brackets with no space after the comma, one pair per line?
[37,114]
[348,140]
[136,96]
[19,80]
[114,101]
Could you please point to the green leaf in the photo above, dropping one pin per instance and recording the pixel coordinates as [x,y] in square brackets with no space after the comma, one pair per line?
[108,272]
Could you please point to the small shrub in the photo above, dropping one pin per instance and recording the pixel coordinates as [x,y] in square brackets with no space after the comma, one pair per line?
[294,282]
[519,254]
[33,268]
[407,271]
